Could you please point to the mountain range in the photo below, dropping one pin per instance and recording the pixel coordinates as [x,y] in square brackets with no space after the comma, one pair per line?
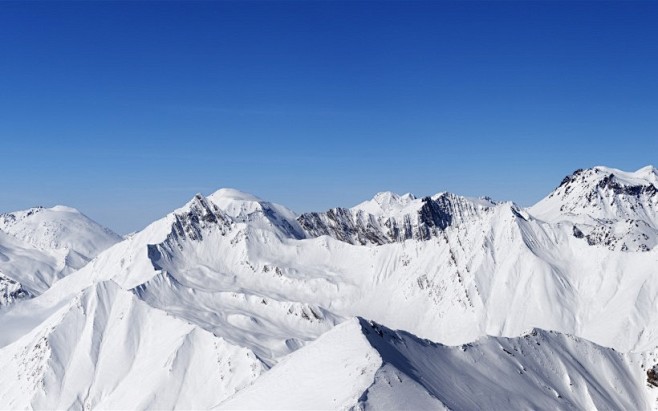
[400,302]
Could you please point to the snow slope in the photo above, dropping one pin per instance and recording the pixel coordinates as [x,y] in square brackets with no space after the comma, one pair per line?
[59,227]
[103,348]
[40,245]
[606,206]
[363,365]
[26,268]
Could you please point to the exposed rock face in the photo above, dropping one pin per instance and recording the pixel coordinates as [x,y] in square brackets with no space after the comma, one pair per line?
[201,214]
[11,291]
[389,218]
[652,376]
[354,228]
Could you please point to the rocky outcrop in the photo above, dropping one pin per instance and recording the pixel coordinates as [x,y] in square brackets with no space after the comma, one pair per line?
[11,291]
[415,219]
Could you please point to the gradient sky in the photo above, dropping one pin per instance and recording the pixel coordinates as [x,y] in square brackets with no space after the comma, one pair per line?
[126,109]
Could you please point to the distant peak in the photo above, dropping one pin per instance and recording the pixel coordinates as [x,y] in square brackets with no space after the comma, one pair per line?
[644,176]
[647,171]
[232,194]
[65,209]
[198,199]
[386,201]
[601,192]
[385,196]
[389,197]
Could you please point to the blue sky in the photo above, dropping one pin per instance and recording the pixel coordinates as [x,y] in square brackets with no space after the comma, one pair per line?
[126,109]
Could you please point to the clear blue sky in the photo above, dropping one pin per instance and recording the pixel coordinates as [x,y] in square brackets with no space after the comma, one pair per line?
[126,109]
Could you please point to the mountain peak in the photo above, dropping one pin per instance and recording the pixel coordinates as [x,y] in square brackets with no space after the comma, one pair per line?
[648,169]
[385,202]
[58,227]
[40,245]
[65,209]
[388,197]
[596,187]
[225,194]
[644,176]
[607,206]
[236,203]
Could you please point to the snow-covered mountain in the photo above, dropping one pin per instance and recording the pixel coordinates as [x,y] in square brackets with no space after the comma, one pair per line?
[40,245]
[607,207]
[252,277]
[363,365]
[58,228]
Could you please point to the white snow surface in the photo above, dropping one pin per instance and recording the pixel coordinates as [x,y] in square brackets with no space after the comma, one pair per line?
[232,285]
[106,349]
[363,365]
[40,245]
[59,227]
[608,207]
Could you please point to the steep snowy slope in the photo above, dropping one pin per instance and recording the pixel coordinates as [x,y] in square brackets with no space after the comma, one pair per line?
[105,349]
[198,264]
[363,365]
[607,207]
[40,245]
[25,268]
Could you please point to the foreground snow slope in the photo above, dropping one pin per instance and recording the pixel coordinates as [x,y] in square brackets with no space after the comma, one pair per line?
[363,365]
[40,245]
[105,349]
